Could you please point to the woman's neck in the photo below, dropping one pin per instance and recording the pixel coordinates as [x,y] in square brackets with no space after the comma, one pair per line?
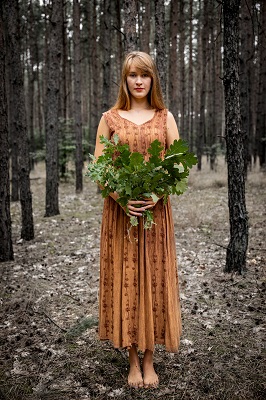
[140,104]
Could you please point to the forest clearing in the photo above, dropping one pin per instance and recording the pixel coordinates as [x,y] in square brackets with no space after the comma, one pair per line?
[61,69]
[49,301]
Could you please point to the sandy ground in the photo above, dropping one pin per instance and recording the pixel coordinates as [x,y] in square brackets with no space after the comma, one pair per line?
[49,302]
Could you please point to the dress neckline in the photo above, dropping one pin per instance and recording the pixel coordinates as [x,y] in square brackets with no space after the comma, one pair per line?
[128,120]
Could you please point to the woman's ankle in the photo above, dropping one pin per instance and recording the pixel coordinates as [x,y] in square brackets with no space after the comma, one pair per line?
[148,357]
[133,355]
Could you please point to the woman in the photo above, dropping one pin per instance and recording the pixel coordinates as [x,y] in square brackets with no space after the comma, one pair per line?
[139,298]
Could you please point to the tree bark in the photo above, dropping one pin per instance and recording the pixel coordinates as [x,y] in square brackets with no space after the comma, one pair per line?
[11,124]
[198,78]
[64,62]
[130,10]
[77,95]
[160,42]
[191,78]
[245,66]
[219,111]
[173,76]
[106,35]
[19,122]
[31,81]
[201,138]
[6,247]
[146,26]
[52,109]
[236,251]
[118,41]
[183,110]
[11,127]
[95,78]
[63,95]
[261,103]
[212,125]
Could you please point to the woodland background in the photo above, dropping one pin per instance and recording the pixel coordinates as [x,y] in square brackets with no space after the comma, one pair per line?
[60,69]
[186,39]
[61,64]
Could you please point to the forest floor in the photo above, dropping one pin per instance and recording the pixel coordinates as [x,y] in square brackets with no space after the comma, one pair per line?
[49,302]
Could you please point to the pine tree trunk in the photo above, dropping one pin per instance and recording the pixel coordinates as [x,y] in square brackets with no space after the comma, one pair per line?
[245,66]
[198,79]
[173,76]
[45,57]
[64,63]
[212,130]
[63,96]
[191,78]
[118,43]
[77,95]
[261,103]
[39,104]
[12,133]
[52,109]
[236,251]
[30,111]
[106,35]
[31,80]
[11,125]
[95,78]
[160,43]
[182,68]
[20,126]
[219,111]
[6,248]
[130,15]
[202,120]
[146,26]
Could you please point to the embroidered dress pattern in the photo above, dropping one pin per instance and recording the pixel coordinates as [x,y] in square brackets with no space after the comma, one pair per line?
[139,292]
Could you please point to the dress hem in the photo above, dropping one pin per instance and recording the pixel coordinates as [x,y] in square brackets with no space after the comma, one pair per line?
[127,347]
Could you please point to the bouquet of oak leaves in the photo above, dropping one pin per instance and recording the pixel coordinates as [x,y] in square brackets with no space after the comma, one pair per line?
[127,173]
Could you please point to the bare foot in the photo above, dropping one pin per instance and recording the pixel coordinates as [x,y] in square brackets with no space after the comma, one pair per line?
[150,377]
[134,377]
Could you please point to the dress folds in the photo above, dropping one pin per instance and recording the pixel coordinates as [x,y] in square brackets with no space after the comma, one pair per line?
[139,292]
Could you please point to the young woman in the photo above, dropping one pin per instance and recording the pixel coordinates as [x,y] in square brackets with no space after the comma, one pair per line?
[139,295]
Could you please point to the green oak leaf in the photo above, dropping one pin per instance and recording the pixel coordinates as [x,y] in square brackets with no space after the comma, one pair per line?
[181,186]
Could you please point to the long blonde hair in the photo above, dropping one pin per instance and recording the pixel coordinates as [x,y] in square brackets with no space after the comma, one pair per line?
[145,63]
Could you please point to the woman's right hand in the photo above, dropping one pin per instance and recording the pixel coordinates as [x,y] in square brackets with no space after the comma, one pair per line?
[137,207]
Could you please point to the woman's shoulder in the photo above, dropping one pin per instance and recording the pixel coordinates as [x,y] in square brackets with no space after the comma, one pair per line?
[169,116]
[111,111]
[111,118]
[164,113]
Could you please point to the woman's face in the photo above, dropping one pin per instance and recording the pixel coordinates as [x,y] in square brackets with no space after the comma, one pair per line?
[138,82]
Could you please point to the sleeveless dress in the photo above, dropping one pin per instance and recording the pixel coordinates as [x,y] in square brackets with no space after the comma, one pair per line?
[139,293]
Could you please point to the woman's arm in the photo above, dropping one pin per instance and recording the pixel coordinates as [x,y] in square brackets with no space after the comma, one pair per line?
[103,130]
[172,130]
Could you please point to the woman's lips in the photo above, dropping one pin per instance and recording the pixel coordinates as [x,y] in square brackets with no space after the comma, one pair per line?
[139,89]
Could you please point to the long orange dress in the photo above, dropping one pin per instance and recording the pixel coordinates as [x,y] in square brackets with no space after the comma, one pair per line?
[139,293]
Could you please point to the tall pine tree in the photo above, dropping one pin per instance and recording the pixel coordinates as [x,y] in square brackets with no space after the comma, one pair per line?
[237,247]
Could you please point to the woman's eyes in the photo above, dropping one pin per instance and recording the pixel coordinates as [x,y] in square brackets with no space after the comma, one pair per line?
[134,75]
